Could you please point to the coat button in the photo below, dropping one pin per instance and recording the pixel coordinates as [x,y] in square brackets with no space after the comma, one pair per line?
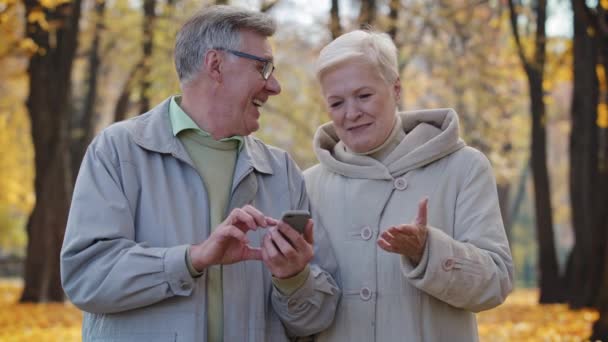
[400,183]
[365,293]
[184,285]
[448,264]
[366,233]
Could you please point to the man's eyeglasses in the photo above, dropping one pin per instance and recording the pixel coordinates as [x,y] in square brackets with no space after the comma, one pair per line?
[268,67]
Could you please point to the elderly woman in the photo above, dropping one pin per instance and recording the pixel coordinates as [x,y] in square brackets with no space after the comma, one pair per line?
[411,211]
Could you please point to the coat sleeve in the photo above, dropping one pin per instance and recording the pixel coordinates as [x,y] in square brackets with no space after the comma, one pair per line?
[311,308]
[103,270]
[472,270]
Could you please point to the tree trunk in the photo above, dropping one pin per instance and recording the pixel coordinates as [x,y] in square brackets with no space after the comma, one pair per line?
[123,104]
[549,282]
[367,14]
[549,279]
[334,21]
[48,106]
[503,202]
[393,17]
[147,48]
[583,261]
[600,327]
[83,123]
[268,5]
[513,213]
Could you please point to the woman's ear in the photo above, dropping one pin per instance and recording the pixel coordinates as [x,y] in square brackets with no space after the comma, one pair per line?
[397,89]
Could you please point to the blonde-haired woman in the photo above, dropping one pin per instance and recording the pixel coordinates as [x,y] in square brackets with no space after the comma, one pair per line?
[411,211]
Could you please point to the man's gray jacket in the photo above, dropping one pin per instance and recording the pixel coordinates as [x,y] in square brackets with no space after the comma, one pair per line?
[139,203]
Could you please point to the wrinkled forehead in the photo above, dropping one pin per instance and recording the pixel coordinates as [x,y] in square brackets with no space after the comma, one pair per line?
[256,44]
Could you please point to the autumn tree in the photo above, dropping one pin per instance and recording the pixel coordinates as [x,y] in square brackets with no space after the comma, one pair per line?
[53,27]
[16,154]
[534,66]
[587,272]
[83,120]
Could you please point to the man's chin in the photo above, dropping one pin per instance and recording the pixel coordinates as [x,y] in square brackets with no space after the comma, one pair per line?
[252,129]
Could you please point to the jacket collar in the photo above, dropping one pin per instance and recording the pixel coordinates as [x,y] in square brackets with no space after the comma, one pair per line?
[430,135]
[152,131]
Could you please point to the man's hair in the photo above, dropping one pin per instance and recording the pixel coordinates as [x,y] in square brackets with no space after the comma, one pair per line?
[370,46]
[215,27]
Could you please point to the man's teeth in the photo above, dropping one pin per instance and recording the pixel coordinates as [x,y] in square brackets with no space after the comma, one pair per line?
[258,103]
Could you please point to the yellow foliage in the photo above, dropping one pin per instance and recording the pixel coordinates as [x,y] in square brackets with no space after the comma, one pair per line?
[16,150]
[7,3]
[37,16]
[601,77]
[53,3]
[602,115]
[520,318]
[28,46]
[35,322]
[16,172]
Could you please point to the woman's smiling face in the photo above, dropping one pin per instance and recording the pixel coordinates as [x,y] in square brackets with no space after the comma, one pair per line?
[361,103]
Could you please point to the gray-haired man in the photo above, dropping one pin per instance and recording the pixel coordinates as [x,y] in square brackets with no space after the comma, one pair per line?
[152,188]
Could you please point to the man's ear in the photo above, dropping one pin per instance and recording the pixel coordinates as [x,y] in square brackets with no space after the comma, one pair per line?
[213,65]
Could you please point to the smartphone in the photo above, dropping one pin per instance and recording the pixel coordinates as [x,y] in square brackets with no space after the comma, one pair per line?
[297,219]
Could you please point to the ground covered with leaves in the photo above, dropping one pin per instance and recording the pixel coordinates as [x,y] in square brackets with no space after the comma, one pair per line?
[519,319]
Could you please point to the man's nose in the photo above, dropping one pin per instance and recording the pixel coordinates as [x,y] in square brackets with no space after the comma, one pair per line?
[273,86]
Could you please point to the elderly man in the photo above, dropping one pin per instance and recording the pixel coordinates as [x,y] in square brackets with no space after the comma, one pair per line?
[172,233]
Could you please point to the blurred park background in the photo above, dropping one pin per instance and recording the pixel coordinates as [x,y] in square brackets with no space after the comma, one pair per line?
[527,77]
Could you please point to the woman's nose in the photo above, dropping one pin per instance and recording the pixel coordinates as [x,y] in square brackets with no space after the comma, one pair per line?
[352,111]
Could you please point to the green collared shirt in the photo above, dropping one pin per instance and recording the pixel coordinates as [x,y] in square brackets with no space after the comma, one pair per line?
[215,162]
[180,121]
[213,159]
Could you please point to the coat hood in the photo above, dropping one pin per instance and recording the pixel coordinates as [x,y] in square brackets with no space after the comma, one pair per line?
[430,135]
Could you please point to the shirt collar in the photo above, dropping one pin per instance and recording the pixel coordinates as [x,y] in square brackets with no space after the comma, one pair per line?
[180,121]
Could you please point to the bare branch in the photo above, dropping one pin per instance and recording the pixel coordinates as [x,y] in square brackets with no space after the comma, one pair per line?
[268,5]
[520,48]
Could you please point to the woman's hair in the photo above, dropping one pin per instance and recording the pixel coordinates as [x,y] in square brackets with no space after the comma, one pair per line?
[215,27]
[374,47]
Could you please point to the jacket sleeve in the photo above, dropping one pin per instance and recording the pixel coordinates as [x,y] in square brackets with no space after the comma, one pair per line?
[311,308]
[472,270]
[103,270]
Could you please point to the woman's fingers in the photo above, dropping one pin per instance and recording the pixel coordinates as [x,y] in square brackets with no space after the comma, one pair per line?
[422,212]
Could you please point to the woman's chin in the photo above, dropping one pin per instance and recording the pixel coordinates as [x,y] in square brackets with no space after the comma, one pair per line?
[360,148]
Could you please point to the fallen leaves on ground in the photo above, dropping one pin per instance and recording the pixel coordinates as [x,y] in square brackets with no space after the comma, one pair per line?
[522,319]
[519,319]
[35,322]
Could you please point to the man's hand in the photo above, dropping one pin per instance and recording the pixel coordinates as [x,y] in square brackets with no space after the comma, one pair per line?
[408,239]
[285,251]
[228,243]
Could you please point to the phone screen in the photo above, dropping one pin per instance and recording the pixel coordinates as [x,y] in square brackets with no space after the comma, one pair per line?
[297,219]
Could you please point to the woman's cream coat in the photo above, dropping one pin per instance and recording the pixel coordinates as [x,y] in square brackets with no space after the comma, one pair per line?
[466,266]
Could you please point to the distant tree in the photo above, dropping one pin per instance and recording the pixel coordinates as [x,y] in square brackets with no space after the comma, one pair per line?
[367,13]
[587,271]
[83,121]
[549,280]
[55,32]
[583,264]
[334,20]
[148,21]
